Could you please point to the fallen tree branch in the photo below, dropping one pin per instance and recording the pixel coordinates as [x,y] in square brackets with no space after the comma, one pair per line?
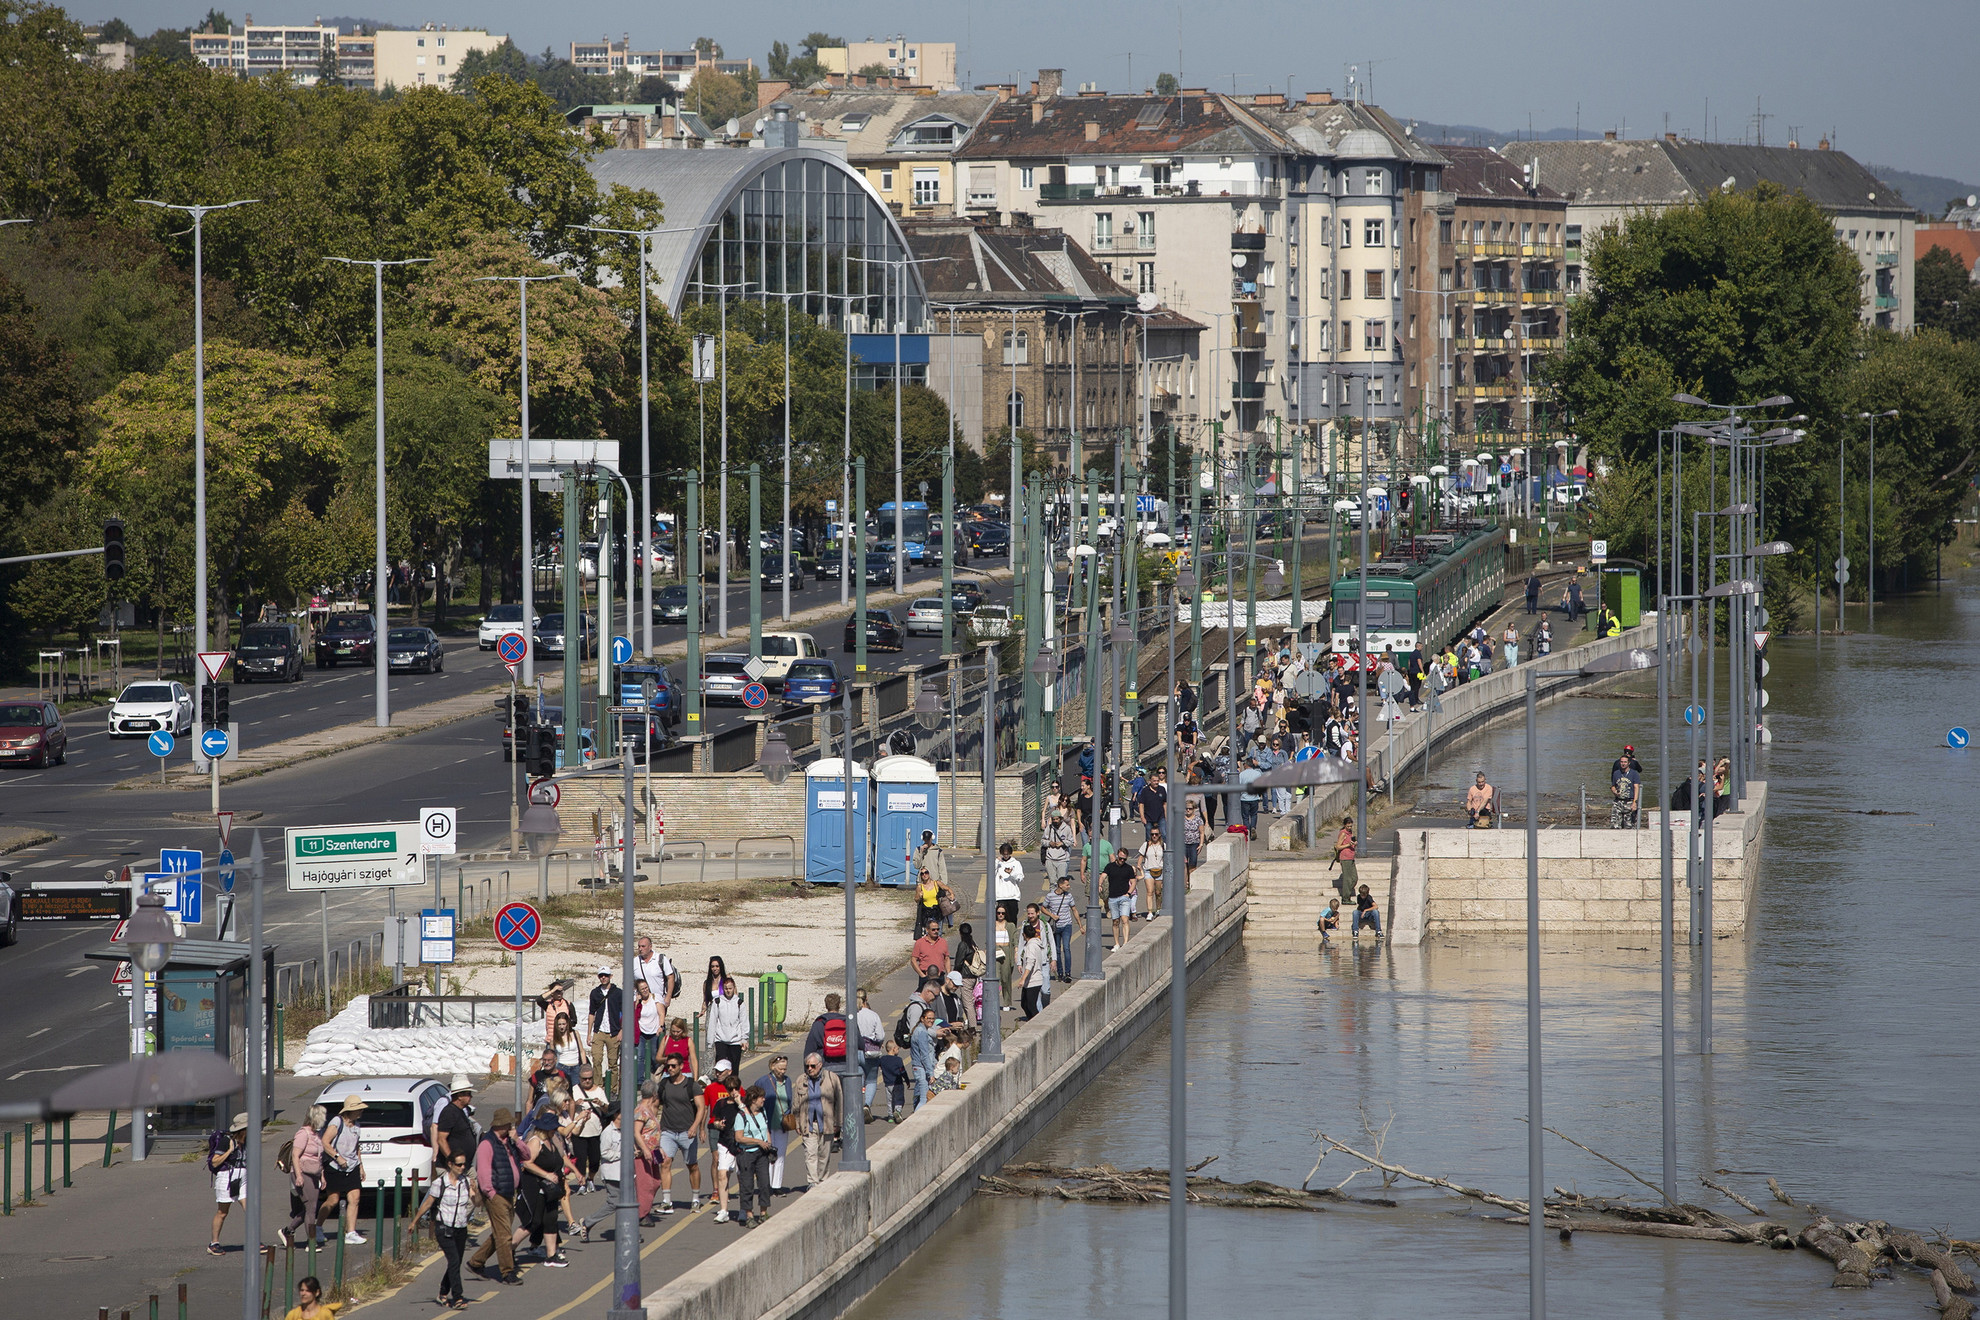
[1475,1193]
[1606,1160]
[1950,1307]
[1637,1228]
[1731,1195]
[1915,1250]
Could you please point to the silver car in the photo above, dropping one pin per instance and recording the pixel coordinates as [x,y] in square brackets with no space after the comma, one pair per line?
[925,616]
[723,677]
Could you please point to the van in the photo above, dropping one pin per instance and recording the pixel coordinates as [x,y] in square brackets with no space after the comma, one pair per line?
[783,649]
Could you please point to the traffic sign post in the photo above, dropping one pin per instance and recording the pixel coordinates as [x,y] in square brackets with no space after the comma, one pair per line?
[436,935]
[512,647]
[326,857]
[213,745]
[622,650]
[161,744]
[517,928]
[755,696]
[227,870]
[1694,715]
[213,662]
[438,831]
[1957,739]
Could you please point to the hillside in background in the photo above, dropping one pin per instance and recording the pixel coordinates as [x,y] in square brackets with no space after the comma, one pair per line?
[1930,193]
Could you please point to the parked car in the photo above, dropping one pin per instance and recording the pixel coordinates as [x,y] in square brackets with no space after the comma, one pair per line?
[925,616]
[783,649]
[967,594]
[812,680]
[550,637]
[991,621]
[670,604]
[414,650]
[500,621]
[144,708]
[394,1125]
[347,637]
[882,630]
[723,677]
[667,702]
[269,650]
[32,733]
[936,540]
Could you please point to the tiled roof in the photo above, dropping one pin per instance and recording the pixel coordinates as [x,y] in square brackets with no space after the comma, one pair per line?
[1123,126]
[1657,171]
[1962,243]
[876,116]
[1349,130]
[1479,173]
[1009,264]
[1631,173]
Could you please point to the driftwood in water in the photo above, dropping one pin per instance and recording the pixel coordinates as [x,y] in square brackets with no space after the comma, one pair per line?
[1915,1250]
[1951,1307]
[1105,1183]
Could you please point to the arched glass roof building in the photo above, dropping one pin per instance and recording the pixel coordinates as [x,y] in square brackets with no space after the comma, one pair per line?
[766,223]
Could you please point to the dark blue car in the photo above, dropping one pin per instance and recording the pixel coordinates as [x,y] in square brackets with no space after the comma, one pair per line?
[667,702]
[812,680]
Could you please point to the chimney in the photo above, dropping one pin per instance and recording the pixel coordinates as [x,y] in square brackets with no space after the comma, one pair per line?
[1037,110]
[1050,81]
[782,130]
[1670,137]
[1269,98]
[1609,135]
[1823,145]
[1092,131]
[1320,98]
[1209,106]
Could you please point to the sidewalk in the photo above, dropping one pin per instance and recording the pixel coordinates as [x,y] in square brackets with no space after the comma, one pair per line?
[417,719]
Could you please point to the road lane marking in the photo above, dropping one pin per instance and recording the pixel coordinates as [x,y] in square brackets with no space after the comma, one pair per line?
[67,1067]
[644,1252]
[45,1030]
[76,972]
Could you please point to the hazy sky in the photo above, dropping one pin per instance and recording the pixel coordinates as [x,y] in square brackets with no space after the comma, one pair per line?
[1894,83]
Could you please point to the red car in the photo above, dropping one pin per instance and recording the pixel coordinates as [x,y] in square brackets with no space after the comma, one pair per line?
[32,733]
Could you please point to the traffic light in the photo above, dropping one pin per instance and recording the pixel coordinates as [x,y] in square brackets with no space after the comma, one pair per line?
[113,547]
[213,706]
[542,750]
[520,719]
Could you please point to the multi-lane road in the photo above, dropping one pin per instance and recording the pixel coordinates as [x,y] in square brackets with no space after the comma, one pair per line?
[69,1017]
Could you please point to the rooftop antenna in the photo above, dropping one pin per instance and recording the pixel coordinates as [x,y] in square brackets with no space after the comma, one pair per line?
[1759,124]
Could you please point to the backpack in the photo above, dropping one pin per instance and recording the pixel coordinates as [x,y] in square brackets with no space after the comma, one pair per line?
[903,1029]
[835,1040]
[285,1158]
[974,964]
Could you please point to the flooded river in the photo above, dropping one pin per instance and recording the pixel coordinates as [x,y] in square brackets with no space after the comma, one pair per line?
[1845,1061]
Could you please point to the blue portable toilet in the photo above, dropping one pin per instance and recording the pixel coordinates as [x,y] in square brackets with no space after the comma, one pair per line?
[908,792]
[825,821]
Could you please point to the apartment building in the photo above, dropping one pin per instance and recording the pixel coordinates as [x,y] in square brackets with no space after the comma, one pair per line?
[903,140]
[1491,305]
[929,63]
[425,56]
[1608,180]
[678,67]
[302,51]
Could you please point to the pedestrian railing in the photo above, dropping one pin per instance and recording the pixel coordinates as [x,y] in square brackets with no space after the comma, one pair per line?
[50,1137]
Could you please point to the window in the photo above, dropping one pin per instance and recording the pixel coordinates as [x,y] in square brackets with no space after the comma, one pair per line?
[1574,235]
[1160,175]
[1374,182]
[1347,334]
[1374,336]
[1268,327]
[1347,233]
[1114,176]
[1412,325]
[419,59]
[1412,231]
[1526,234]
[1268,274]
[1323,285]
[1371,284]
[1495,231]
[1144,278]
[1375,384]
[1443,231]
[1371,233]
[1014,410]
[927,187]
[1444,280]
[886,181]
[1103,231]
[1017,352]
[1272,223]
[1024,178]
[1144,224]
[1106,268]
[420,42]
[440,41]
[982,185]
[441,59]
[1444,326]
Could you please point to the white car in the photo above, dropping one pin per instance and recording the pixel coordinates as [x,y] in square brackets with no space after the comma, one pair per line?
[145,708]
[991,621]
[395,1127]
[925,616]
[500,621]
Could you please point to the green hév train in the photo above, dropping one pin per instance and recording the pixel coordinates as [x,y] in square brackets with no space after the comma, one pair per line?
[1450,579]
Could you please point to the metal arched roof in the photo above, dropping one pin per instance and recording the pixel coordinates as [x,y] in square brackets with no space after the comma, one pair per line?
[698,187]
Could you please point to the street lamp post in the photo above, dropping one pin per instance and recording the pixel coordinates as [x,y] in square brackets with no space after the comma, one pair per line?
[381,673]
[1870,569]
[199,214]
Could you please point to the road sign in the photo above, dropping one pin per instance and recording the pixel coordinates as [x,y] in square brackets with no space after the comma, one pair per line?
[1431,704]
[545,793]
[1760,638]
[517,926]
[1842,576]
[622,650]
[226,819]
[1694,715]
[1957,738]
[213,744]
[181,861]
[512,648]
[831,506]
[213,662]
[754,668]
[190,893]
[353,856]
[1842,561]
[161,743]
[1598,552]
[437,830]
[704,358]
[227,870]
[1144,504]
[436,936]
[755,696]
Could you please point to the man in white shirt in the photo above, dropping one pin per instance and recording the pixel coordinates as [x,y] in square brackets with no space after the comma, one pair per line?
[658,971]
[1010,875]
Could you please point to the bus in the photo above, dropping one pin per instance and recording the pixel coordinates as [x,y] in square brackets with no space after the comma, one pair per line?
[914,527]
[1425,593]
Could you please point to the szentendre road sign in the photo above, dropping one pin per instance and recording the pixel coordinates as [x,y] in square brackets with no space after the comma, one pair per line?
[353,856]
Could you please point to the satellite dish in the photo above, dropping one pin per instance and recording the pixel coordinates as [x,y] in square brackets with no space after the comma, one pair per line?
[1147,302]
[758,127]
[1237,261]
[732,128]
[1972,199]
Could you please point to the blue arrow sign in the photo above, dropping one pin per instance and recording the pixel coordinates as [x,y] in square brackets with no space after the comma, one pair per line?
[190,892]
[181,861]
[213,743]
[622,650]
[1694,715]
[1957,738]
[161,743]
[227,870]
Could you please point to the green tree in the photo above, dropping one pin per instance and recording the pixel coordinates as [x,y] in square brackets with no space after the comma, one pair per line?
[779,63]
[60,595]
[1945,295]
[720,97]
[707,48]
[874,70]
[1166,84]
[504,61]
[116,30]
[1925,455]
[41,410]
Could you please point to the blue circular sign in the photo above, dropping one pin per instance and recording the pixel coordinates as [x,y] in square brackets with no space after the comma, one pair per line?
[755,696]
[517,926]
[213,743]
[622,650]
[512,648]
[1957,738]
[227,870]
[1694,715]
[161,743]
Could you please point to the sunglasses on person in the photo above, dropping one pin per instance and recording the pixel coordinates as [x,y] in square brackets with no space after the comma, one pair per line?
[811,1067]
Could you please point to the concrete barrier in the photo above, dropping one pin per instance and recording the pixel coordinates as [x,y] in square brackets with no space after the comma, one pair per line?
[834,1245]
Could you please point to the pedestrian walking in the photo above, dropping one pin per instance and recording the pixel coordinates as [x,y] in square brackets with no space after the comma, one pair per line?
[1010,874]
[611,1150]
[820,1114]
[871,1033]
[780,1101]
[1059,841]
[657,972]
[930,955]
[568,1046]
[453,1127]
[680,1044]
[305,1169]
[934,861]
[1533,593]
[554,1003]
[1036,969]
[929,897]
[647,1016]
[669,1136]
[498,1165]
[712,982]
[1193,823]
[750,1131]
[343,1176]
[921,1050]
[451,1200]
[728,1024]
[722,1099]
[1064,911]
[605,1012]
[1510,645]
[1151,867]
[1120,877]
[226,1164]
[589,1102]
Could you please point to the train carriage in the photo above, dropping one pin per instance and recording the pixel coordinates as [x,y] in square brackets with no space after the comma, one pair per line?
[1425,593]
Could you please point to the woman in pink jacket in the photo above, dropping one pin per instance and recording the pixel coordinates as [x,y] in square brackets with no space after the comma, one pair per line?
[306,1176]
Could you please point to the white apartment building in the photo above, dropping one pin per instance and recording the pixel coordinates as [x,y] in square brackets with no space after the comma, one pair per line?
[927,63]
[426,56]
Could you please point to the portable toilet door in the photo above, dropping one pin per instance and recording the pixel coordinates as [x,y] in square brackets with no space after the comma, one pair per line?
[907,790]
[825,822]
[1622,592]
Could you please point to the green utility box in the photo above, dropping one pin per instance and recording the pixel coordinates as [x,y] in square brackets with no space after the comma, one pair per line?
[775,994]
[1622,592]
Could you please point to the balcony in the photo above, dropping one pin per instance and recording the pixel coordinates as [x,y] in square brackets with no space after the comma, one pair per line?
[1488,295]
[1887,258]
[1542,296]
[1247,242]
[977,201]
[1249,342]
[1886,304]
[1247,391]
[1540,252]
[1499,390]
[1067,192]
[1244,290]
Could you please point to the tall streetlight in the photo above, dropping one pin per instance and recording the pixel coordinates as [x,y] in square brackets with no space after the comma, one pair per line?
[149,936]
[1870,571]
[645,419]
[382,672]
[199,214]
[522,283]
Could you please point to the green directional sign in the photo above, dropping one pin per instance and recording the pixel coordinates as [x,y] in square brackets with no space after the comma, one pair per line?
[354,856]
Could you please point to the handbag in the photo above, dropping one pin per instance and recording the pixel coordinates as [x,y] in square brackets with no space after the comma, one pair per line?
[791,1122]
[948,905]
